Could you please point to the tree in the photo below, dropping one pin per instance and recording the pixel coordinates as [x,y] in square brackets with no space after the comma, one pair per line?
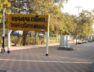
[39,7]
[21,6]
[69,24]
[44,7]
[84,24]
[4,4]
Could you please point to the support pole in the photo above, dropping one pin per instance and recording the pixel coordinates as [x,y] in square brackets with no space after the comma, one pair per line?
[47,37]
[47,43]
[9,41]
[3,35]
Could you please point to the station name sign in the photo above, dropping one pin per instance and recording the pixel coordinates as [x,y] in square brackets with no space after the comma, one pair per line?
[27,22]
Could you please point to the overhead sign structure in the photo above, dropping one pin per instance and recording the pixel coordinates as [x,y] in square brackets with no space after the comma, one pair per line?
[27,22]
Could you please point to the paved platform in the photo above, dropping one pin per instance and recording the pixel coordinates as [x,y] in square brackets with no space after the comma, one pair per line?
[34,59]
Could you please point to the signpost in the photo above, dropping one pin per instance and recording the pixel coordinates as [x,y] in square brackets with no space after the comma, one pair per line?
[3,35]
[29,22]
[9,41]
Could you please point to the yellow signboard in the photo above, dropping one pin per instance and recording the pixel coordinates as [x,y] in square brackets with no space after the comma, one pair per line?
[27,22]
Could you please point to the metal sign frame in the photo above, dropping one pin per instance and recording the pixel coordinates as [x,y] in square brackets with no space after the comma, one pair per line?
[27,22]
[47,17]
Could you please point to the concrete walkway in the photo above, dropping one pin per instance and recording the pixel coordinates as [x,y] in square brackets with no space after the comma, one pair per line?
[33,59]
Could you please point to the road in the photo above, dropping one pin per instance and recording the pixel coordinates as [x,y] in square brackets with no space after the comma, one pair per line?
[80,59]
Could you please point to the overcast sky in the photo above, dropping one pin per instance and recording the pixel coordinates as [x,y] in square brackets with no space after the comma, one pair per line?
[71,6]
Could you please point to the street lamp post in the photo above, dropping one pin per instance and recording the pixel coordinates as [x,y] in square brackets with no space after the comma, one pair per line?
[78,7]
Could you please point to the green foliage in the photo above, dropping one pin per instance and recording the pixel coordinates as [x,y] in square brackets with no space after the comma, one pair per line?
[4,4]
[84,24]
[47,7]
[69,24]
[60,23]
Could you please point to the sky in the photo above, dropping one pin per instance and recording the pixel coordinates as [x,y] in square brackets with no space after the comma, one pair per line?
[72,6]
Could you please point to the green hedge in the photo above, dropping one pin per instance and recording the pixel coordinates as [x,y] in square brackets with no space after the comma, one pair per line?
[30,40]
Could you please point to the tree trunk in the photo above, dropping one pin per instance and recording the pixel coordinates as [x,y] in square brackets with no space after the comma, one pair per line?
[24,38]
